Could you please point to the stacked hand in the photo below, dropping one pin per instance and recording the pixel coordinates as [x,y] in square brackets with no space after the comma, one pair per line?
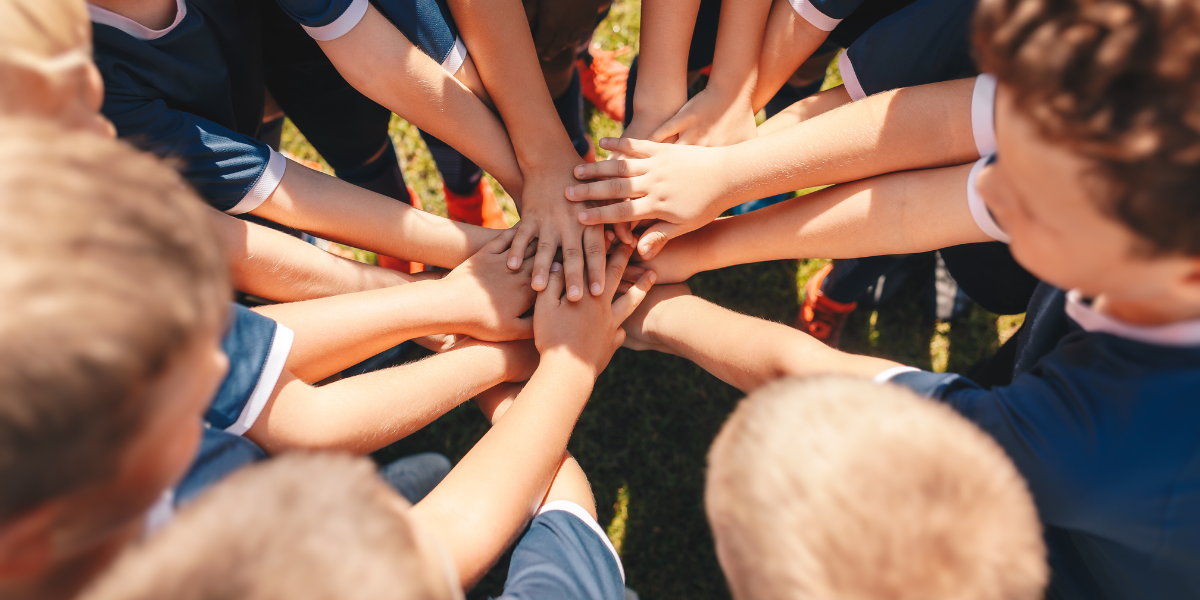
[492,298]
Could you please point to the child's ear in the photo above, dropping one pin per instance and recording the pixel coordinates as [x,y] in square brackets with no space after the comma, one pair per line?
[27,545]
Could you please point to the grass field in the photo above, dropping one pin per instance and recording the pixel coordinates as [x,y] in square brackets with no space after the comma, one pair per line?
[643,437]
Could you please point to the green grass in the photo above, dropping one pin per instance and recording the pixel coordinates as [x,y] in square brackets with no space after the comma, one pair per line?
[646,430]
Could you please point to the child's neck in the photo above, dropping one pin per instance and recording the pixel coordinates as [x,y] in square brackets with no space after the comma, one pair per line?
[153,14]
[1146,311]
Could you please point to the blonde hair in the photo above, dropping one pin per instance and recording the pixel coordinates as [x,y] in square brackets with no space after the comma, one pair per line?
[841,489]
[43,46]
[110,269]
[298,527]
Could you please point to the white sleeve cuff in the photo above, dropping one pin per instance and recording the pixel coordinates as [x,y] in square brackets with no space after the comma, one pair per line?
[888,374]
[983,114]
[582,515]
[458,55]
[979,210]
[850,78]
[281,346]
[264,187]
[814,16]
[341,25]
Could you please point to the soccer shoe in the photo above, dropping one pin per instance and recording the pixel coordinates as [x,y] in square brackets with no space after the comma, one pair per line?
[397,264]
[819,316]
[603,81]
[480,208]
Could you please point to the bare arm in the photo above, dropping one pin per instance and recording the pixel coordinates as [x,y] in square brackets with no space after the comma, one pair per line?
[898,213]
[742,351]
[788,42]
[380,62]
[335,210]
[816,104]
[662,65]
[365,413]
[276,266]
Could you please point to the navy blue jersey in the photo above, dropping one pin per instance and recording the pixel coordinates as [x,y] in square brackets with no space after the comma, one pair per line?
[564,555]
[1100,418]
[846,20]
[193,91]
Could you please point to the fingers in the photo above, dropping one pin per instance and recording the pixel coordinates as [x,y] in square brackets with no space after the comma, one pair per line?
[632,273]
[610,168]
[655,238]
[609,189]
[619,212]
[624,233]
[595,250]
[616,268]
[521,241]
[501,242]
[671,128]
[629,147]
[573,266]
[554,286]
[625,305]
[547,246]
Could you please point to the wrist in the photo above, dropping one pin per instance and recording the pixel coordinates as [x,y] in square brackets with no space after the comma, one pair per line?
[561,360]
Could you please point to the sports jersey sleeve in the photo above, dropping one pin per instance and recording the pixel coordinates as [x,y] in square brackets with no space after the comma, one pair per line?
[824,14]
[564,556]
[232,172]
[426,23]
[979,210]
[257,348]
[983,114]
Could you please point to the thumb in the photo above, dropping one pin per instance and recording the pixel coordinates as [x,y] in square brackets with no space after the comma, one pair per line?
[656,237]
[670,129]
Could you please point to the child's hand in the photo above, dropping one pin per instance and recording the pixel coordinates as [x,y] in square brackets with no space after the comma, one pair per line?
[681,186]
[589,330]
[490,297]
[710,118]
[686,256]
[554,222]
[639,329]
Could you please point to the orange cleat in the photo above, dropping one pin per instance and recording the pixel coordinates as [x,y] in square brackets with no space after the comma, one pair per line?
[480,208]
[603,81]
[819,316]
[397,264]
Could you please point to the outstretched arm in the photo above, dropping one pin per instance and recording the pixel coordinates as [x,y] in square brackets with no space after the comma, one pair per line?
[277,266]
[379,61]
[489,496]
[662,64]
[479,298]
[789,40]
[686,187]
[497,34]
[742,351]
[899,213]
[335,210]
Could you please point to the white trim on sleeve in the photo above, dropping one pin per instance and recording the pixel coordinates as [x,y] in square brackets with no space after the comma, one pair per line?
[458,55]
[983,114]
[272,369]
[850,78]
[1179,334]
[813,15]
[160,515]
[341,25]
[264,187]
[107,17]
[887,374]
[979,210]
[578,511]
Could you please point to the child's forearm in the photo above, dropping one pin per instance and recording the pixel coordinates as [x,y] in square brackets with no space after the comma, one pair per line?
[480,507]
[497,35]
[365,413]
[335,210]
[899,213]
[743,351]
[787,42]
[739,41]
[814,105]
[337,332]
[276,266]
[380,62]
[662,64]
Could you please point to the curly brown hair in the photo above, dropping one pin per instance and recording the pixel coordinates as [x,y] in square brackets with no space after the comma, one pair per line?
[1117,81]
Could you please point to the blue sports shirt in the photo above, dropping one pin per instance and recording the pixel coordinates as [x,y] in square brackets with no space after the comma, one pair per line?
[564,555]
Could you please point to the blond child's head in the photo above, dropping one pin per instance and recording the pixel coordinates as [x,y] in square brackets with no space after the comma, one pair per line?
[298,527]
[115,296]
[46,68]
[841,489]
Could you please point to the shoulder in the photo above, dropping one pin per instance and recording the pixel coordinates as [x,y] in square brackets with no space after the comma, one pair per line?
[257,348]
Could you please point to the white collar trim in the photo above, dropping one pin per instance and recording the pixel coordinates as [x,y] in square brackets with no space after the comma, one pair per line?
[1183,333]
[104,16]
